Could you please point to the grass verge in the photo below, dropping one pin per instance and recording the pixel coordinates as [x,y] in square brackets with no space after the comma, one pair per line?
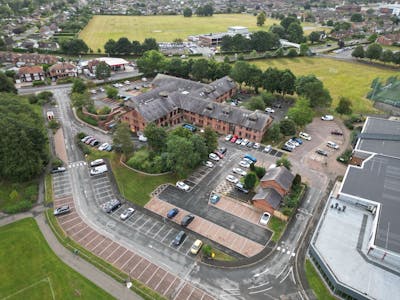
[49,189]
[17,196]
[139,288]
[222,256]
[31,270]
[277,226]
[316,283]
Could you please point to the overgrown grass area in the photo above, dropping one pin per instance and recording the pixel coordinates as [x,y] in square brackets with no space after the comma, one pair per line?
[86,118]
[277,226]
[49,189]
[316,283]
[340,77]
[30,269]
[16,196]
[139,288]
[165,28]
[222,256]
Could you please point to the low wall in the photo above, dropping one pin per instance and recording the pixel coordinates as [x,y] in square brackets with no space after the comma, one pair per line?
[141,172]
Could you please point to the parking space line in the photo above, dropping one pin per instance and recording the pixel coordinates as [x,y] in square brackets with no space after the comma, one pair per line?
[140,217]
[126,250]
[76,233]
[155,223]
[96,236]
[193,289]
[78,241]
[106,248]
[151,276]
[127,261]
[75,225]
[165,292]
[180,246]
[140,227]
[159,230]
[161,280]
[138,263]
[99,244]
[113,252]
[166,235]
[150,264]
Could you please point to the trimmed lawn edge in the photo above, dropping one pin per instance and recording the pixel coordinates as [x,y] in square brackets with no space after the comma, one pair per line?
[138,287]
[316,283]
[278,228]
[48,186]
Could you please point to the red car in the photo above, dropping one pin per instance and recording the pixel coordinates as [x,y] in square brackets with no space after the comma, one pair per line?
[220,155]
[233,140]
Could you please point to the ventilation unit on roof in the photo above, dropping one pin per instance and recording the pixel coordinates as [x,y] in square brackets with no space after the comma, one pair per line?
[253,117]
[163,94]
[185,93]
[209,106]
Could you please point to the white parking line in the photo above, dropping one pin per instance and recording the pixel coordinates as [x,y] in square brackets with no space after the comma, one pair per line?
[166,235]
[159,230]
[145,269]
[155,223]
[127,261]
[161,280]
[113,252]
[106,248]
[154,273]
[80,230]
[180,246]
[93,239]
[126,250]
[140,227]
[79,241]
[137,219]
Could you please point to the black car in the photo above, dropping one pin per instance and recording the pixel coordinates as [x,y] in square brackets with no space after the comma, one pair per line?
[250,144]
[336,132]
[187,220]
[61,210]
[222,150]
[180,237]
[111,205]
[321,152]
[286,148]
[58,170]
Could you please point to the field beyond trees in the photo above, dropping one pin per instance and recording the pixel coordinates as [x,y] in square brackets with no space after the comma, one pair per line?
[347,79]
[164,28]
[30,269]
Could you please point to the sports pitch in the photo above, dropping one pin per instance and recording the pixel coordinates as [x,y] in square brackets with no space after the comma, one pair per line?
[30,270]
[164,28]
[341,78]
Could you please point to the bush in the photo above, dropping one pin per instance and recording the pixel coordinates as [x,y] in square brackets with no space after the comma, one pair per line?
[105,110]
[81,135]
[86,119]
[46,96]
[53,124]
[32,99]
[349,124]
[207,250]
[345,157]
[297,180]
[38,83]
[142,160]
[65,80]
[84,148]
[21,206]
[287,127]
[56,163]
[260,172]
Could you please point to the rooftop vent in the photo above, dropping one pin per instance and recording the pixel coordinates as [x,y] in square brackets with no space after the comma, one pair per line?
[185,93]
[253,117]
[163,94]
[209,106]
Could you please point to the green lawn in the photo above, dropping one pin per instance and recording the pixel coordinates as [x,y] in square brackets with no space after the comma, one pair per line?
[164,28]
[277,226]
[30,269]
[25,191]
[316,283]
[342,78]
[49,189]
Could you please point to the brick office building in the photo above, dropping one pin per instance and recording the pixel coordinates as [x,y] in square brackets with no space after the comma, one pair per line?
[174,100]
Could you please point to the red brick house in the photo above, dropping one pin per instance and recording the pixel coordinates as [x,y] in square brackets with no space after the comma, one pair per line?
[174,100]
[275,184]
[389,39]
[62,70]
[29,74]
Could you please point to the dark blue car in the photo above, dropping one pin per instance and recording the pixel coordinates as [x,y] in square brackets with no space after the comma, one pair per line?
[172,213]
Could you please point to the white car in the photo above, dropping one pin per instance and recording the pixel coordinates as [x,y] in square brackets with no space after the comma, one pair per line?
[305,136]
[127,82]
[127,213]
[142,138]
[294,142]
[327,118]
[256,146]
[183,186]
[93,92]
[239,171]
[209,164]
[332,145]
[290,145]
[228,137]
[244,164]
[102,90]
[238,142]
[269,110]
[213,156]
[267,149]
[244,142]
[104,146]
[264,218]
[232,179]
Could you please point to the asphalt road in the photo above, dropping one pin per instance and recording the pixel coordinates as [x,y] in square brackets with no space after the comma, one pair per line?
[271,278]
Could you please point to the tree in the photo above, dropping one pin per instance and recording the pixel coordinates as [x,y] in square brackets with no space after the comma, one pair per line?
[255,103]
[288,127]
[283,161]
[149,44]
[103,71]
[285,23]
[80,100]
[261,19]
[200,69]
[151,62]
[329,23]
[387,55]
[344,106]
[23,140]
[208,10]
[396,57]
[250,181]
[304,49]
[374,51]
[277,30]
[295,33]
[313,89]
[210,139]
[74,47]
[357,17]
[372,38]
[123,46]
[111,92]
[274,132]
[122,139]
[292,53]
[78,86]
[6,84]
[287,82]
[260,171]
[180,154]
[187,12]
[358,52]
[240,72]
[110,46]
[301,113]
[156,137]
[136,48]
[263,41]
[314,37]
[270,79]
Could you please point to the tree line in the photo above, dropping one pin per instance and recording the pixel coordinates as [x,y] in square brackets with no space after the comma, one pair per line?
[376,52]
[259,41]
[125,47]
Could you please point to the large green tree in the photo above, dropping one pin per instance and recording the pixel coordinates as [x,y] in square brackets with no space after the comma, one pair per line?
[187,12]
[261,18]
[358,52]
[151,62]
[210,139]
[313,89]
[180,154]
[110,46]
[263,41]
[374,51]
[240,72]
[74,47]
[103,71]
[344,106]
[122,139]
[23,150]
[314,37]
[301,112]
[123,46]
[250,180]
[149,44]
[200,69]
[6,84]
[78,86]
[156,137]
[295,33]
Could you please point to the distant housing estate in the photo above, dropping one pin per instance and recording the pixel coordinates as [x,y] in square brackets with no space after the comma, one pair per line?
[174,100]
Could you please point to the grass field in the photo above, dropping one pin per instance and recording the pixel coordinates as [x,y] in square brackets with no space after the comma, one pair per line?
[342,78]
[164,28]
[26,191]
[316,283]
[30,270]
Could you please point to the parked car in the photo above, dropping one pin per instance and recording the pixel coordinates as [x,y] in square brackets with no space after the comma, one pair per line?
[183,186]
[294,142]
[111,205]
[269,110]
[222,150]
[93,92]
[228,137]
[251,158]
[305,136]
[289,144]
[213,156]
[219,154]
[58,170]
[234,139]
[287,148]
[298,140]
[244,164]
[97,162]
[239,171]
[102,90]
[127,213]
[267,149]
[196,247]
[98,170]
[239,141]
[332,145]
[321,152]
[209,164]
[336,132]
[215,198]
[187,220]
[142,138]
[86,138]
[264,218]
[327,118]
[89,140]
[244,142]
[62,210]
[239,186]
[180,237]
[256,145]
[172,213]
[94,143]
[232,179]
[250,144]
[277,105]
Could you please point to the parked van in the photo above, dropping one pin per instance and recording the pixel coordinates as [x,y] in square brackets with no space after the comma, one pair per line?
[332,145]
[97,162]
[253,159]
[192,128]
[98,170]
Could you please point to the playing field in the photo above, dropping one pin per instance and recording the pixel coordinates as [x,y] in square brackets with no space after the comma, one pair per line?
[163,28]
[30,270]
[342,78]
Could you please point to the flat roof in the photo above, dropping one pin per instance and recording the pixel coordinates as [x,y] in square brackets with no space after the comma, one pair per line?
[388,130]
[378,179]
[341,242]
[113,61]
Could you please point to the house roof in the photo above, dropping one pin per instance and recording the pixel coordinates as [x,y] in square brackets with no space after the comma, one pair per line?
[30,70]
[62,66]
[281,175]
[269,195]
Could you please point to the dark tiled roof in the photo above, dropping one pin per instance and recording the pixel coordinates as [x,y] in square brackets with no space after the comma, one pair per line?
[281,175]
[269,195]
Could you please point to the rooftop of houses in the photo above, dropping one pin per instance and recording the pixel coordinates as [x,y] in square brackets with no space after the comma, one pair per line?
[269,194]
[281,175]
[30,70]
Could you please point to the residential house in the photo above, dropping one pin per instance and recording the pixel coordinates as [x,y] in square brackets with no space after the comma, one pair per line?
[31,73]
[389,39]
[62,70]
[27,58]
[274,185]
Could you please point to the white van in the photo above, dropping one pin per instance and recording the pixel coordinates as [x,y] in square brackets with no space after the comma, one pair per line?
[97,162]
[332,145]
[98,170]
